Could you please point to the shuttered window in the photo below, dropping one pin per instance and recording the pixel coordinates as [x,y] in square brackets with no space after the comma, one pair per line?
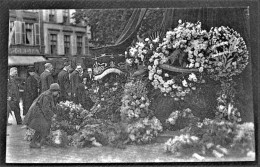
[37,33]
[12,34]
[18,32]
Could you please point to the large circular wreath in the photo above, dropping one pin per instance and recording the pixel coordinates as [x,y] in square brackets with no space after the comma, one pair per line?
[228,54]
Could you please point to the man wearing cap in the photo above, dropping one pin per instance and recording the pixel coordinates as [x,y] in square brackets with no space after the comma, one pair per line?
[75,80]
[14,95]
[31,91]
[64,82]
[46,77]
[40,115]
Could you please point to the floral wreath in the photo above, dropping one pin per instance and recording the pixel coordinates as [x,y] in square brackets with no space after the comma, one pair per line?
[228,53]
[187,40]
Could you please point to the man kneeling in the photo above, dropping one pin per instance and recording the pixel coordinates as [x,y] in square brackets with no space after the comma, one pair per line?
[40,115]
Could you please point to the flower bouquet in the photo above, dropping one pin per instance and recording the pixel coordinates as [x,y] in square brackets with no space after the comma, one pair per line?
[135,102]
[140,53]
[181,119]
[183,145]
[144,130]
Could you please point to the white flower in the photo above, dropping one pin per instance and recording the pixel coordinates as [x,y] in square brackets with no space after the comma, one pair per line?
[159,72]
[146,39]
[156,62]
[201,69]
[166,75]
[156,40]
[180,21]
[140,44]
[184,83]
[197,64]
[192,76]
[174,86]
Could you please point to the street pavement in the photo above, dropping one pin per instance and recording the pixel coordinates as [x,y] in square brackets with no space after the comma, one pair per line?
[18,151]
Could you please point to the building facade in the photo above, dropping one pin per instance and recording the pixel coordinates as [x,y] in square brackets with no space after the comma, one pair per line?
[24,45]
[61,37]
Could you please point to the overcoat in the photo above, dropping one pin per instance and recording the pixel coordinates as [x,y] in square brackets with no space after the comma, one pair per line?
[64,82]
[40,113]
[32,85]
[46,80]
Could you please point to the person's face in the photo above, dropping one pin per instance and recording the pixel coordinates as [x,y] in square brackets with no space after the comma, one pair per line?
[51,68]
[89,72]
[15,74]
[85,80]
[55,93]
[31,73]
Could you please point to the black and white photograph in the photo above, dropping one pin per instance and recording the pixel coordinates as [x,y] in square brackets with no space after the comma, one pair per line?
[131,85]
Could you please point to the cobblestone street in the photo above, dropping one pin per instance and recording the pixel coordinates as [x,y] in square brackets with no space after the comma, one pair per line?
[18,151]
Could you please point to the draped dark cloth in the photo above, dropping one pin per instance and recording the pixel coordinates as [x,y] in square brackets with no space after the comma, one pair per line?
[236,18]
[127,36]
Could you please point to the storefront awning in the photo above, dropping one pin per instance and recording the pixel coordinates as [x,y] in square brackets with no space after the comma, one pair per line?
[24,60]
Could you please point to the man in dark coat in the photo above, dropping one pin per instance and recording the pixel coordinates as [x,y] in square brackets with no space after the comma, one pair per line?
[64,82]
[31,91]
[46,77]
[90,78]
[40,115]
[83,96]
[14,95]
[75,80]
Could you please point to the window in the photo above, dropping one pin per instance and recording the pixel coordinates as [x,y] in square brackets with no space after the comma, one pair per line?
[28,34]
[52,16]
[65,16]
[66,44]
[37,33]
[79,45]
[11,33]
[53,44]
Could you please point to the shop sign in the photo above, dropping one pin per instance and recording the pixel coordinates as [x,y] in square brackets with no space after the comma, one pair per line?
[23,50]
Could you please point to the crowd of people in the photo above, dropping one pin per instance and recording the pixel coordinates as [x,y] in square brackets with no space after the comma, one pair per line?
[41,94]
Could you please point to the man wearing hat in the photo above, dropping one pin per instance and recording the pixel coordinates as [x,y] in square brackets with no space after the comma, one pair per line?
[64,82]
[76,79]
[31,91]
[14,95]
[46,77]
[40,115]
